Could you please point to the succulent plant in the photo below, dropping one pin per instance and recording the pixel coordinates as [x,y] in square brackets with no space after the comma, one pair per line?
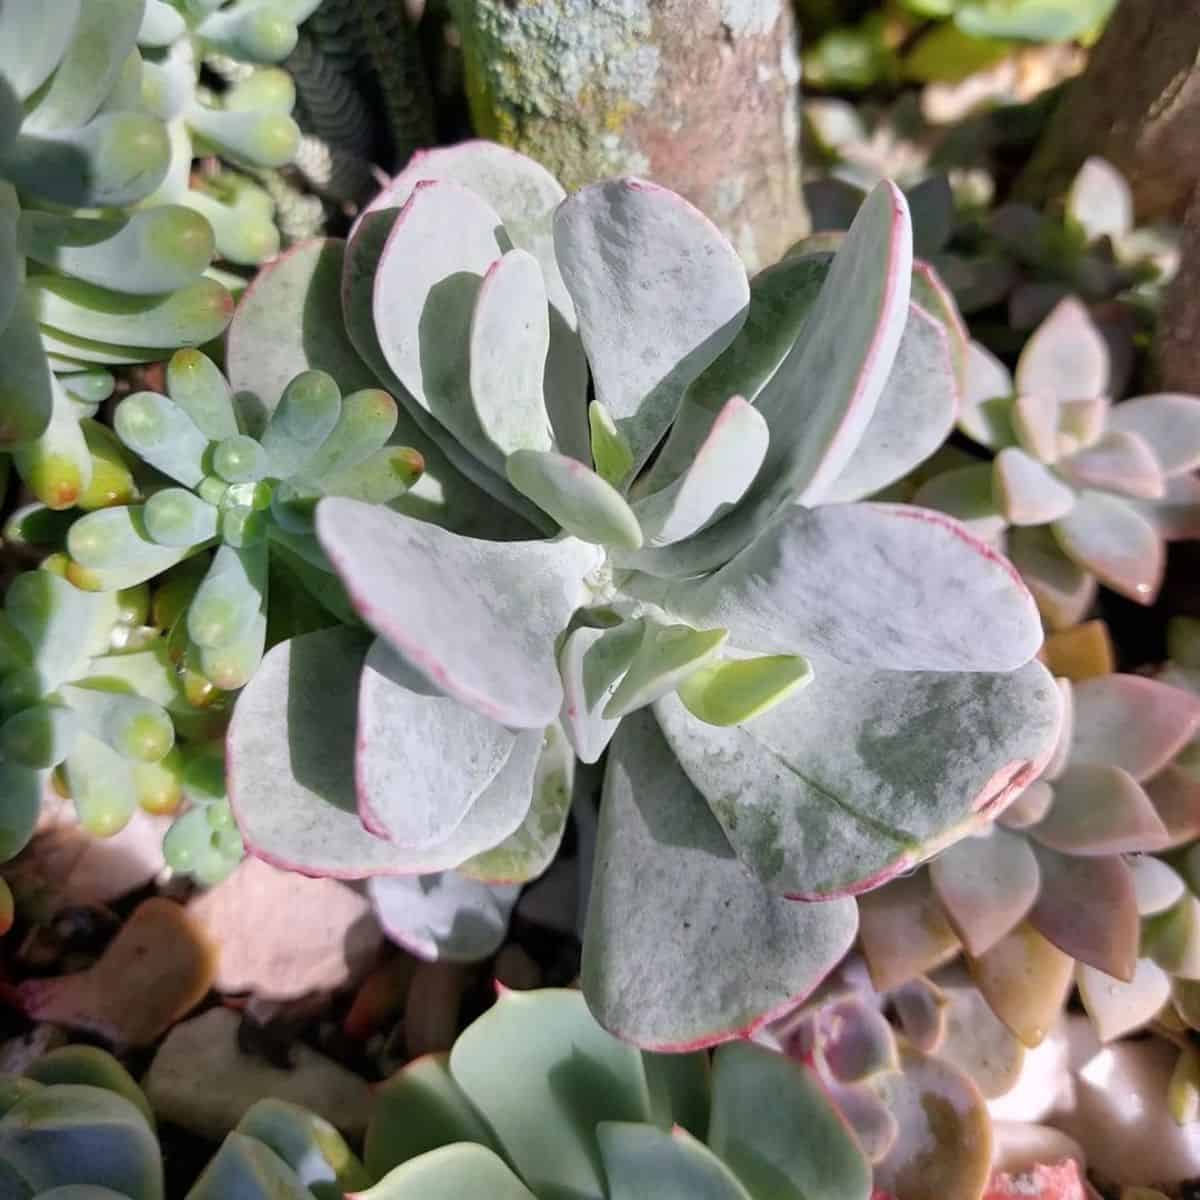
[76,1125]
[1054,890]
[1080,489]
[824,714]
[535,1099]
[251,473]
[86,280]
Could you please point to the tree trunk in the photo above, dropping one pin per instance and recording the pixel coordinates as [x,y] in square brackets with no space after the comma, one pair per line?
[698,95]
[1137,105]
[1177,346]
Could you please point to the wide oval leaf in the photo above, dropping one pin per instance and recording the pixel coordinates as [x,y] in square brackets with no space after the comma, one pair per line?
[1109,537]
[449,1174]
[641,1160]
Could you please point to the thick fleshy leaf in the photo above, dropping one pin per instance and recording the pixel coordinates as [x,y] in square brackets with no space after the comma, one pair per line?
[232,592]
[904,931]
[1176,797]
[1025,979]
[423,758]
[736,690]
[1064,591]
[611,454]
[1100,202]
[640,1160]
[966,493]
[449,1174]
[1036,423]
[712,955]
[1118,1008]
[774,1126]
[918,608]
[1026,492]
[542,1072]
[309,1144]
[1067,357]
[856,1040]
[913,417]
[977,1041]
[34,40]
[589,680]
[1172,938]
[162,434]
[246,1167]
[1110,538]
[1088,909]
[445,917]
[62,625]
[22,791]
[479,621]
[1099,810]
[58,467]
[1029,807]
[1119,462]
[986,399]
[931,293]
[823,796]
[1156,885]
[1168,423]
[307,412]
[1081,423]
[659,293]
[665,657]
[1132,722]
[987,885]
[26,390]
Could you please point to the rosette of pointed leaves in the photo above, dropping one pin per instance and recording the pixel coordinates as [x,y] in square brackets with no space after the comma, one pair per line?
[248,125]
[85,279]
[1054,890]
[249,474]
[1080,490]
[77,1125]
[536,1100]
[826,711]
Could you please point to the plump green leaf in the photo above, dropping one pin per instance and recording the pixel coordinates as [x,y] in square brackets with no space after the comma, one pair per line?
[640,1160]
[62,625]
[449,1174]
[163,434]
[32,42]
[22,791]
[232,592]
[665,657]
[246,1167]
[306,415]
[736,690]
[592,663]
[26,388]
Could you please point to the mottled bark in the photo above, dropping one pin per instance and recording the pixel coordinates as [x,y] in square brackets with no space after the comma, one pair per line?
[699,95]
[1137,105]
[1177,347]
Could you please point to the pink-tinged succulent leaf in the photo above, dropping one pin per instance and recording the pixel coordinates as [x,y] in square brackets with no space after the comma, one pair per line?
[913,416]
[1088,909]
[977,1042]
[640,1160]
[1100,201]
[478,619]
[1029,807]
[444,917]
[449,1173]
[1167,422]
[1118,462]
[1117,1008]
[1110,538]
[509,340]
[1067,357]
[874,1127]
[1064,591]
[966,494]
[1026,492]
[715,955]
[987,885]
[1172,938]
[987,399]
[530,1067]
[1062,750]
[1132,722]
[904,931]
[659,293]
[1177,515]
[1081,423]
[801,588]
[1099,810]
[856,1040]
[944,1145]
[932,294]
[774,1126]
[921,1009]
[823,795]
[1036,423]
[592,663]
[1175,795]
[1156,885]
[724,467]
[423,758]
[1025,980]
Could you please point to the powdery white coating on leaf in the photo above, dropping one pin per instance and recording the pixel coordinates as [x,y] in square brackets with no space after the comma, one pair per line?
[1110,538]
[1168,422]
[1026,492]
[1118,462]
[478,619]
[683,947]
[1064,591]
[422,757]
[988,380]
[864,773]
[449,1173]
[1067,356]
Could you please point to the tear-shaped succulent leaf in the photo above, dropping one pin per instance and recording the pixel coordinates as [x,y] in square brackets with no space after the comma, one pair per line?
[987,399]
[920,1008]
[1026,492]
[1175,794]
[61,625]
[774,1127]
[101,784]
[444,917]
[1117,1008]
[640,1158]
[231,593]
[665,657]
[1132,722]
[641,262]
[1063,590]
[1118,462]
[1036,422]
[904,931]
[1037,806]
[448,1174]
[943,1147]
[777,595]
[1085,652]
[856,1040]
[1088,909]
[1156,885]
[39,736]
[1172,938]
[178,518]
[1081,423]
[230,665]
[1110,538]
[364,425]
[423,758]
[1099,810]
[611,453]
[1025,979]
[58,466]
[913,416]
[163,434]
[481,625]
[987,885]
[576,497]
[307,412]
[820,798]
[735,690]
[1067,357]
[966,494]
[977,1042]
[136,728]
[710,924]
[309,1144]
[1100,201]
[92,1067]
[1168,423]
